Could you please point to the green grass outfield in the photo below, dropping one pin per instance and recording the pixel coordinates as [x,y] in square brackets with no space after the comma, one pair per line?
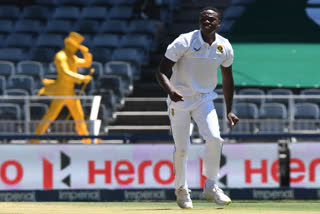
[237,207]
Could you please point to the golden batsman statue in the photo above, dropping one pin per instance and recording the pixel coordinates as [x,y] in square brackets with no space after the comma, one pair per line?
[66,63]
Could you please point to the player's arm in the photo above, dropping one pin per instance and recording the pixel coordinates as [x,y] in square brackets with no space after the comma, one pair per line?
[86,61]
[62,66]
[228,89]
[162,74]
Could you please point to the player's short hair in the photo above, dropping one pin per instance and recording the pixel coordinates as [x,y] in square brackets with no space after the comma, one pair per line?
[214,9]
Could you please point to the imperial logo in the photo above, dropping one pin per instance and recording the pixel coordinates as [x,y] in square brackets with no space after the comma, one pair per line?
[48,171]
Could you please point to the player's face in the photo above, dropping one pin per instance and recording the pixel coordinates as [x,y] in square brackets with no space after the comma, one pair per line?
[209,21]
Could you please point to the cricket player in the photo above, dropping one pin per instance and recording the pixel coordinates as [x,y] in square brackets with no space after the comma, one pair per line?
[194,58]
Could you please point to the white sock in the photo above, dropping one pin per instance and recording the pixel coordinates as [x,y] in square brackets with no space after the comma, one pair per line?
[209,183]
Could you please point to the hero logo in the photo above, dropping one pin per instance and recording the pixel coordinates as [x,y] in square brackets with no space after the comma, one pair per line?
[48,171]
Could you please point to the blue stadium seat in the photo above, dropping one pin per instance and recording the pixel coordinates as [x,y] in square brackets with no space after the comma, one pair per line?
[279,91]
[101,54]
[7,69]
[132,55]
[274,116]
[50,40]
[306,116]
[96,13]
[106,40]
[115,26]
[123,70]
[43,54]
[87,26]
[108,100]
[21,82]
[51,3]
[113,83]
[33,27]
[9,12]
[37,110]
[68,13]
[9,111]
[137,41]
[120,12]
[233,12]
[226,26]
[248,112]
[13,54]
[17,92]
[36,12]
[20,40]
[104,3]
[311,91]
[3,86]
[252,91]
[31,68]
[78,3]
[6,26]
[58,26]
[129,3]
[143,27]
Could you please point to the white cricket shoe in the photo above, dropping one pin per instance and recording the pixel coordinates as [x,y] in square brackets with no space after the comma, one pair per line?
[217,195]
[183,198]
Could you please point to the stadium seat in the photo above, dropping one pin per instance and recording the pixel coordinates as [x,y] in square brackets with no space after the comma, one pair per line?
[306,116]
[20,40]
[10,111]
[17,92]
[2,86]
[104,3]
[129,3]
[32,27]
[51,3]
[21,82]
[137,41]
[106,40]
[9,12]
[67,12]
[252,91]
[101,54]
[6,27]
[37,110]
[120,12]
[132,55]
[273,118]
[36,12]
[279,91]
[13,54]
[7,69]
[78,3]
[43,54]
[233,12]
[143,27]
[248,112]
[31,68]
[115,26]
[310,91]
[87,26]
[58,26]
[96,13]
[50,40]
[123,70]
[109,102]
[242,2]
[111,82]
[226,26]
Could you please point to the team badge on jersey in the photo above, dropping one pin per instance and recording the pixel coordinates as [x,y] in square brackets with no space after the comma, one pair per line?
[219,49]
[172,111]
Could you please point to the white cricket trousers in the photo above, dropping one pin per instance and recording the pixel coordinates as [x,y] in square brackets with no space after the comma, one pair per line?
[206,118]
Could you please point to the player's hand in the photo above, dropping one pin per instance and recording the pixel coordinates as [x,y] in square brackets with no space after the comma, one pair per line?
[176,96]
[232,118]
[87,79]
[84,49]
